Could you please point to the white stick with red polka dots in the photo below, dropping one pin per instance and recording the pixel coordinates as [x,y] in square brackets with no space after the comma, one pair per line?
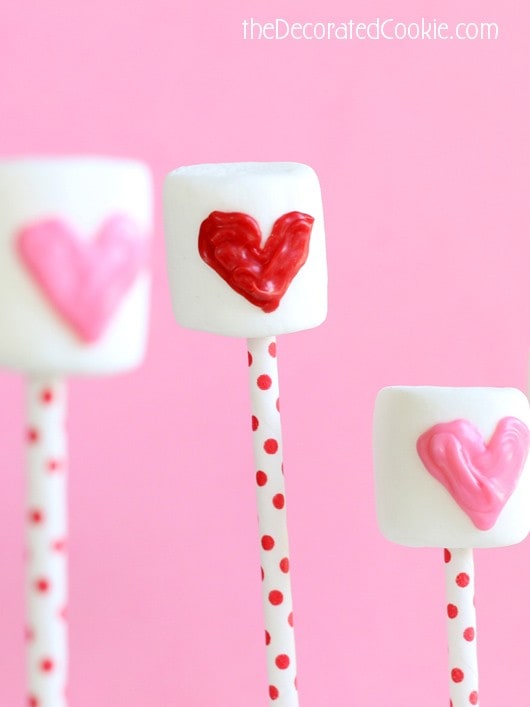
[46,587]
[276,584]
[461,625]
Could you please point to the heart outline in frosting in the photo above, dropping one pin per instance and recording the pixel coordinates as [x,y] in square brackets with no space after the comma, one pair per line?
[480,476]
[230,243]
[84,281]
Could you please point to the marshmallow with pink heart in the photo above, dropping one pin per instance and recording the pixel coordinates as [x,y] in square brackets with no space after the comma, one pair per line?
[452,471]
[74,288]
[74,283]
[451,466]
[245,247]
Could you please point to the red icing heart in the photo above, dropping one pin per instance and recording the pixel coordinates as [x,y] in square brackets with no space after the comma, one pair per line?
[230,243]
[480,477]
[84,281]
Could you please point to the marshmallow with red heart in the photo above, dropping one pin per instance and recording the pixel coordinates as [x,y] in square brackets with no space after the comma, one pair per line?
[451,466]
[246,250]
[74,283]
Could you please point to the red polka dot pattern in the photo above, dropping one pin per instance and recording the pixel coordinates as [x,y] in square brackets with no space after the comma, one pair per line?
[255,423]
[473,698]
[46,395]
[32,435]
[457,675]
[54,465]
[462,579]
[278,501]
[463,670]
[46,665]
[59,545]
[46,542]
[264,382]
[270,446]
[42,585]
[275,597]
[282,661]
[469,633]
[270,491]
[267,542]
[261,478]
[35,516]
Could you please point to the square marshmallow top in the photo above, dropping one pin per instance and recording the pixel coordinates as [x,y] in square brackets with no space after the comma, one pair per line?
[81,193]
[413,507]
[201,298]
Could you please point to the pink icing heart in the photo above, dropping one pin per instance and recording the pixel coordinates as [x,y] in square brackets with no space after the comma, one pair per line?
[85,281]
[480,477]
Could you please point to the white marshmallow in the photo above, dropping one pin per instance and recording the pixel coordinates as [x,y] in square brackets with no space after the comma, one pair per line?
[202,299]
[414,507]
[81,196]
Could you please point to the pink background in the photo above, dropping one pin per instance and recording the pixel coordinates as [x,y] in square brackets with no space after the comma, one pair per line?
[423,154]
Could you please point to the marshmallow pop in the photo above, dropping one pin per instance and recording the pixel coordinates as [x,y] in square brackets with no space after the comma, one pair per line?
[73,300]
[451,471]
[246,257]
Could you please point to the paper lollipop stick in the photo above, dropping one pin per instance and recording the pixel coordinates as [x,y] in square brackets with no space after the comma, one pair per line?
[47,532]
[73,300]
[452,471]
[276,585]
[461,627]
[246,257]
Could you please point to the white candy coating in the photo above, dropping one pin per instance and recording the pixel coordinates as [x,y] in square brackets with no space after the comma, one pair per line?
[413,507]
[201,298]
[82,192]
